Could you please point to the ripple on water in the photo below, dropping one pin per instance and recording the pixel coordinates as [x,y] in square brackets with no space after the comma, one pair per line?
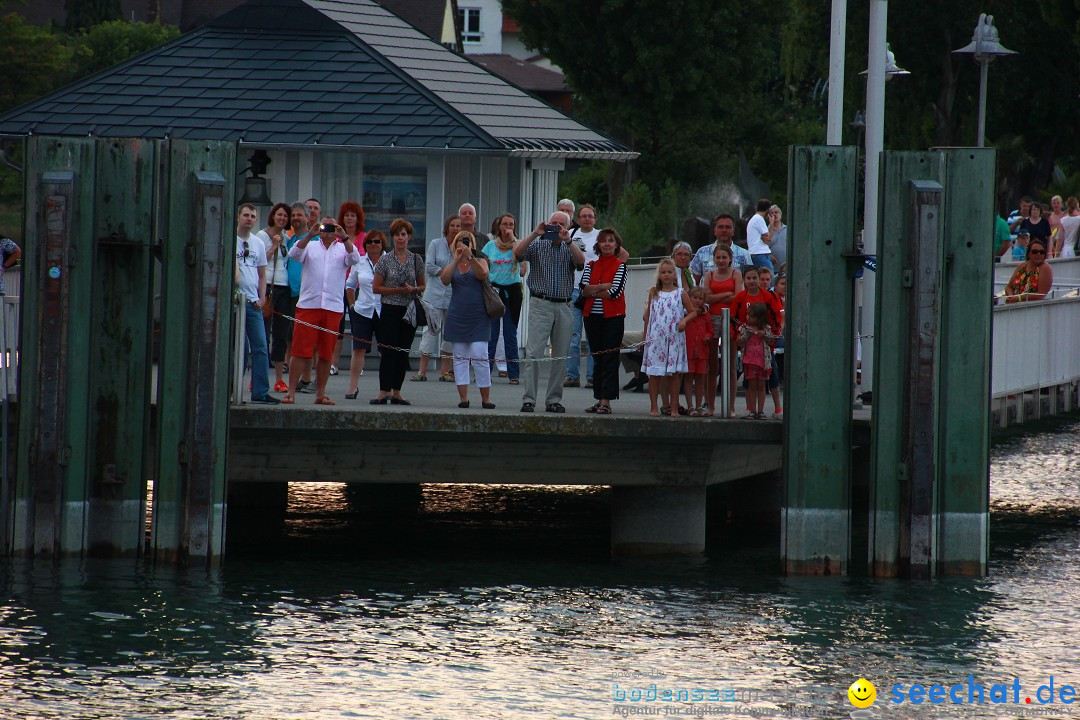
[529,619]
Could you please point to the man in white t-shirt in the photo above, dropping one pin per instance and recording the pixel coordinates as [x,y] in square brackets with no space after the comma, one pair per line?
[251,280]
[585,237]
[758,237]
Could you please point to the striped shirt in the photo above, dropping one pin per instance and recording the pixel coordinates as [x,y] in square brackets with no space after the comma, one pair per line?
[614,292]
[551,269]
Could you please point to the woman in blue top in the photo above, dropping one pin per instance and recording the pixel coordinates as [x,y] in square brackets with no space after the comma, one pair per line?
[467,322]
[506,274]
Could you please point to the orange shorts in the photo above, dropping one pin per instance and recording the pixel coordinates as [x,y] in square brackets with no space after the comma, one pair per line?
[306,339]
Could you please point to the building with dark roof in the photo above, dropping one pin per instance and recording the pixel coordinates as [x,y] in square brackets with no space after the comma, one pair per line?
[349,101]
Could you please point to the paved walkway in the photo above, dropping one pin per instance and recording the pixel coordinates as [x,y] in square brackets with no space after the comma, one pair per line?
[442,397]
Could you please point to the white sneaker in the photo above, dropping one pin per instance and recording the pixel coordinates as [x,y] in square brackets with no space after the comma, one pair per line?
[333,370]
[778,415]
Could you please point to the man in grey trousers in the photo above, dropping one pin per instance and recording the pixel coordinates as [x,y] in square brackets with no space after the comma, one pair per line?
[553,257]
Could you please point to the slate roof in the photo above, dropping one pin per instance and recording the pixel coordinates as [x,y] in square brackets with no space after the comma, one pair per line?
[524,124]
[301,72]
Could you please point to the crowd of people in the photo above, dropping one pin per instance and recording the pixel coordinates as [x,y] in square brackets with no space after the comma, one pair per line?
[304,271]
[1033,234]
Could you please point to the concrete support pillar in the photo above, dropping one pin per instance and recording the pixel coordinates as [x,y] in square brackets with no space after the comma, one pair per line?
[655,520]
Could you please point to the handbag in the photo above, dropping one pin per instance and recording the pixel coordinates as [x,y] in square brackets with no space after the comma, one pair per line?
[418,306]
[493,304]
[580,302]
[420,315]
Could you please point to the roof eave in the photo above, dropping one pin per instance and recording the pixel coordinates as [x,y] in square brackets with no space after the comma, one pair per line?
[616,155]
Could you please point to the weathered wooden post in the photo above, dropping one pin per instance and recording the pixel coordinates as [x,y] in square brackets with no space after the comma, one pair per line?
[820,331]
[51,493]
[965,356]
[120,368]
[917,471]
[197,259]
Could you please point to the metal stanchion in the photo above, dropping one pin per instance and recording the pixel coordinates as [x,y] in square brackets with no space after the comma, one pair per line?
[725,364]
[240,333]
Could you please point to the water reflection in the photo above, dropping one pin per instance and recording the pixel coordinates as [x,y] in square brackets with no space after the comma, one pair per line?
[447,611]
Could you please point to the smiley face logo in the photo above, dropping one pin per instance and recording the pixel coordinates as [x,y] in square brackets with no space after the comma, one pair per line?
[862,693]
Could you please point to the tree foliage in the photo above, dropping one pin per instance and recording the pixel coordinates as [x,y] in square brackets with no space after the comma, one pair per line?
[35,61]
[31,60]
[110,43]
[83,14]
[691,83]
[676,81]
[1031,95]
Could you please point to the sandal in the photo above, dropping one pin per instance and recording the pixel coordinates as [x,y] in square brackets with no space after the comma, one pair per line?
[418,378]
[603,410]
[287,400]
[447,377]
[513,381]
[594,409]
[694,412]
[324,401]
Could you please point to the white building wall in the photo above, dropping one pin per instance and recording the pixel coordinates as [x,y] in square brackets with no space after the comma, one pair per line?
[490,26]
[485,181]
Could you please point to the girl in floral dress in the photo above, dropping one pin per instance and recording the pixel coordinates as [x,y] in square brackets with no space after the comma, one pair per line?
[664,356]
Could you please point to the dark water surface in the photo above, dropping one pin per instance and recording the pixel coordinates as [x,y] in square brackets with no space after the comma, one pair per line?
[502,603]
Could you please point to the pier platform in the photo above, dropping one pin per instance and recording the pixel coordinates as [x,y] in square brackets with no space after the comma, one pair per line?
[658,468]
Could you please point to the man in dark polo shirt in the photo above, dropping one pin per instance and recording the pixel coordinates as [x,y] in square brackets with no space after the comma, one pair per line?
[552,262]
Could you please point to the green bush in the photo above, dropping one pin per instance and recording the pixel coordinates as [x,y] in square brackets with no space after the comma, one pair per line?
[646,217]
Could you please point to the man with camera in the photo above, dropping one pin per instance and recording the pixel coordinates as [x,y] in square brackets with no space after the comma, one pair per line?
[553,258]
[320,306]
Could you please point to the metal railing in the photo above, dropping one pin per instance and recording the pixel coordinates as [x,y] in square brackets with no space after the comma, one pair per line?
[1035,345]
[239,334]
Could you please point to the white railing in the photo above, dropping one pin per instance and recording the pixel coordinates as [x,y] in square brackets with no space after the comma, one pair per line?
[9,347]
[1035,345]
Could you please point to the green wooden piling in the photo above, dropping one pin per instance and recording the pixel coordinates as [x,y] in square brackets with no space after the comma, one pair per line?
[121,321]
[51,490]
[818,340]
[964,418]
[891,329]
[198,278]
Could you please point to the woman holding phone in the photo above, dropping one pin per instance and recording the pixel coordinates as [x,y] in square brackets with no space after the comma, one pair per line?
[506,273]
[468,326]
[280,306]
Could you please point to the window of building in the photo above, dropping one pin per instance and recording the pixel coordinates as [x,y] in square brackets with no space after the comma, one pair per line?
[470,25]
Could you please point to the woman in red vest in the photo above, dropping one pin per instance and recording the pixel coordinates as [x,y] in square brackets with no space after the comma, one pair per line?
[605,314]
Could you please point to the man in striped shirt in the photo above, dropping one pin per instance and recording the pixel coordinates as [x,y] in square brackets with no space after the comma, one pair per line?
[553,258]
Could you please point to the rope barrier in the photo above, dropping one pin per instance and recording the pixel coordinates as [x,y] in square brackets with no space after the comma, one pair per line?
[392,348]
